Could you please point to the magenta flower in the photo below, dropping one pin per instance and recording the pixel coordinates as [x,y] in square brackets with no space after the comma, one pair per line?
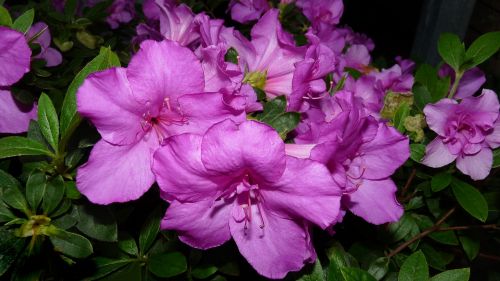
[160,94]
[471,81]
[121,11]
[270,57]
[353,146]
[152,10]
[48,54]
[236,181]
[322,11]
[15,56]
[398,78]
[244,11]
[177,23]
[467,132]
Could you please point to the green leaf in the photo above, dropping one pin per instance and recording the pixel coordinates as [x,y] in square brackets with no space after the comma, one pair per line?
[132,271]
[482,49]
[13,197]
[202,271]
[127,244]
[275,115]
[96,222]
[48,121]
[496,158]
[71,190]
[106,266]
[5,214]
[379,268]
[7,181]
[400,229]
[339,259]
[470,199]
[444,237]
[417,152]
[24,21]
[414,268]
[356,274]
[53,194]
[69,116]
[421,96]
[440,181]
[470,245]
[19,146]
[5,18]
[453,275]
[10,248]
[231,56]
[35,189]
[399,117]
[150,230]
[313,272]
[167,264]
[451,50]
[70,244]
[435,258]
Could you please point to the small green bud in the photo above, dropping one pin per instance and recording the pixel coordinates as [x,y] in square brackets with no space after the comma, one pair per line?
[88,40]
[63,46]
[256,79]
[415,125]
[392,102]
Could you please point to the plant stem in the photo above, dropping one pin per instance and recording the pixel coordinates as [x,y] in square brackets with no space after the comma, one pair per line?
[424,233]
[454,88]
[404,191]
[466,227]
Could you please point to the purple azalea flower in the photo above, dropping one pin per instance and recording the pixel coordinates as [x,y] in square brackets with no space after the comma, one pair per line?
[15,56]
[365,89]
[121,11]
[471,81]
[353,145]
[160,94]
[177,23]
[322,11]
[269,59]
[236,181]
[244,11]
[398,78]
[52,56]
[152,10]
[467,132]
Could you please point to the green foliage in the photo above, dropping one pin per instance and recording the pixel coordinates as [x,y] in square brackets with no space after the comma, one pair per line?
[176,262]
[24,21]
[452,50]
[276,116]
[414,268]
[20,146]
[48,121]
[470,199]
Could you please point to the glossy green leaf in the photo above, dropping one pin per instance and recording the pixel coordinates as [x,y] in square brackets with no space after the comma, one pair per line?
[496,158]
[399,117]
[24,21]
[356,274]
[453,275]
[10,248]
[13,197]
[482,49]
[275,115]
[470,245]
[48,121]
[69,116]
[19,146]
[436,259]
[312,272]
[421,96]
[127,244]
[96,222]
[231,56]
[470,199]
[70,244]
[167,264]
[150,230]
[53,194]
[5,18]
[417,152]
[35,189]
[5,214]
[400,229]
[106,266]
[451,50]
[379,268]
[440,181]
[414,268]
[202,271]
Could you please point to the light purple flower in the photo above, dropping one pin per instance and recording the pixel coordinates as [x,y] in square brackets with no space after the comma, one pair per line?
[121,11]
[160,94]
[322,11]
[177,23]
[270,57]
[52,56]
[244,11]
[471,81]
[467,132]
[14,116]
[236,181]
[398,78]
[152,10]
[361,155]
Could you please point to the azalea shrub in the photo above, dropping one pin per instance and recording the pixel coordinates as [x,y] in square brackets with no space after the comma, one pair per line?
[239,140]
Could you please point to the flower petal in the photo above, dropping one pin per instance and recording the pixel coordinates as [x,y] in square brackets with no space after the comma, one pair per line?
[281,246]
[437,154]
[493,139]
[116,113]
[477,166]
[15,56]
[201,225]
[306,190]
[437,115]
[229,148]
[117,173]
[14,116]
[375,201]
[470,83]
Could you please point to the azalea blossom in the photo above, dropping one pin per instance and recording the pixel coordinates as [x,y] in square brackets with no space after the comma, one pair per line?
[121,11]
[467,133]
[235,181]
[244,11]
[160,94]
[471,81]
[52,56]
[322,11]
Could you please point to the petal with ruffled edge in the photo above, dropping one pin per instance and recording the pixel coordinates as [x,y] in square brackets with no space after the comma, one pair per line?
[106,98]
[476,166]
[14,116]
[375,201]
[438,114]
[201,225]
[281,246]
[389,147]
[493,139]
[483,109]
[15,55]
[470,83]
[306,190]
[437,154]
[180,172]
[228,148]
[164,69]
[117,173]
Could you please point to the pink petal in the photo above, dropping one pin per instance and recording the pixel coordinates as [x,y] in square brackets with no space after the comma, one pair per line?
[470,83]
[299,150]
[107,100]
[477,166]
[437,115]
[281,246]
[52,57]
[15,56]
[253,147]
[484,108]
[437,154]
[164,69]
[14,116]
[375,201]
[117,173]
[493,139]
[306,190]
[201,225]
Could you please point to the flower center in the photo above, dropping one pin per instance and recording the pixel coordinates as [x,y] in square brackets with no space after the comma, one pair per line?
[160,122]
[248,196]
[256,79]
